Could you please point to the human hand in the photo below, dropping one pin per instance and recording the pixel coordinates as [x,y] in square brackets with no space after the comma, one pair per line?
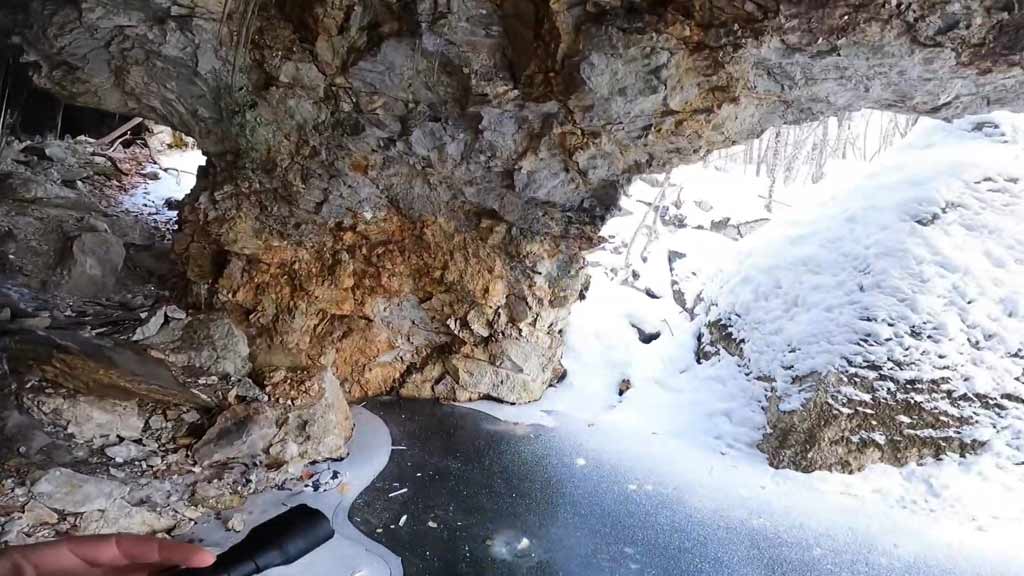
[113,555]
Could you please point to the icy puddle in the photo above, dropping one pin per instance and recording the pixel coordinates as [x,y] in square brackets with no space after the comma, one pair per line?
[464,493]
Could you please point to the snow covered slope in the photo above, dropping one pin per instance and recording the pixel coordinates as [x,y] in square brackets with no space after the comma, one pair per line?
[899,273]
[889,319]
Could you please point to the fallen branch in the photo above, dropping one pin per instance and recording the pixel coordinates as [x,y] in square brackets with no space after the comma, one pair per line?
[110,158]
[116,144]
[102,142]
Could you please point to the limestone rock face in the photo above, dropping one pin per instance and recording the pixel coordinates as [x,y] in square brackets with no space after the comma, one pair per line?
[404,191]
[850,423]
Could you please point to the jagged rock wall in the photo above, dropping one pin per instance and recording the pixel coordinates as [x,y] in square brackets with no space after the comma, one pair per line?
[403,189]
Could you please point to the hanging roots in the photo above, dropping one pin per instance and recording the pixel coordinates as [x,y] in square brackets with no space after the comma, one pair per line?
[245,22]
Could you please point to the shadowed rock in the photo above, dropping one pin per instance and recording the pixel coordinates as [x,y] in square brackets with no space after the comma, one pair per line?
[95,366]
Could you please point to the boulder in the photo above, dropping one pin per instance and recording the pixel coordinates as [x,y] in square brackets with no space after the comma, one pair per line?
[241,433]
[318,431]
[211,343]
[92,265]
[299,428]
[70,491]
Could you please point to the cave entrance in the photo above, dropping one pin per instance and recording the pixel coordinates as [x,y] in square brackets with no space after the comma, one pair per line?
[75,177]
[735,191]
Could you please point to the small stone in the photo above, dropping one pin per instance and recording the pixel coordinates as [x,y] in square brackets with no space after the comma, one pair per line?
[151,326]
[432,524]
[5,314]
[70,491]
[11,533]
[96,225]
[157,422]
[173,311]
[184,441]
[191,416]
[152,175]
[191,513]
[69,174]
[182,527]
[154,460]
[236,523]
[37,513]
[126,451]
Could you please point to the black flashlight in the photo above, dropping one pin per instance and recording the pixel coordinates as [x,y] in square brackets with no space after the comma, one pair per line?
[279,541]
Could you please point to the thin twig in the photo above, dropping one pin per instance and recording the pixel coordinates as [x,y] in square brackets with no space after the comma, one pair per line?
[642,225]
[6,85]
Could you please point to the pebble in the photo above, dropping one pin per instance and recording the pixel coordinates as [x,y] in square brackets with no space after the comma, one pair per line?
[154,460]
[157,421]
[125,451]
[182,527]
[236,523]
[184,441]
[37,513]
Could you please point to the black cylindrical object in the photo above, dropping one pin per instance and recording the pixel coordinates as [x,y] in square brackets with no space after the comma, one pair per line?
[281,540]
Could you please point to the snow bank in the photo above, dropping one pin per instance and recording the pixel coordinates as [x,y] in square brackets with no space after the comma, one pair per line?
[915,271]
